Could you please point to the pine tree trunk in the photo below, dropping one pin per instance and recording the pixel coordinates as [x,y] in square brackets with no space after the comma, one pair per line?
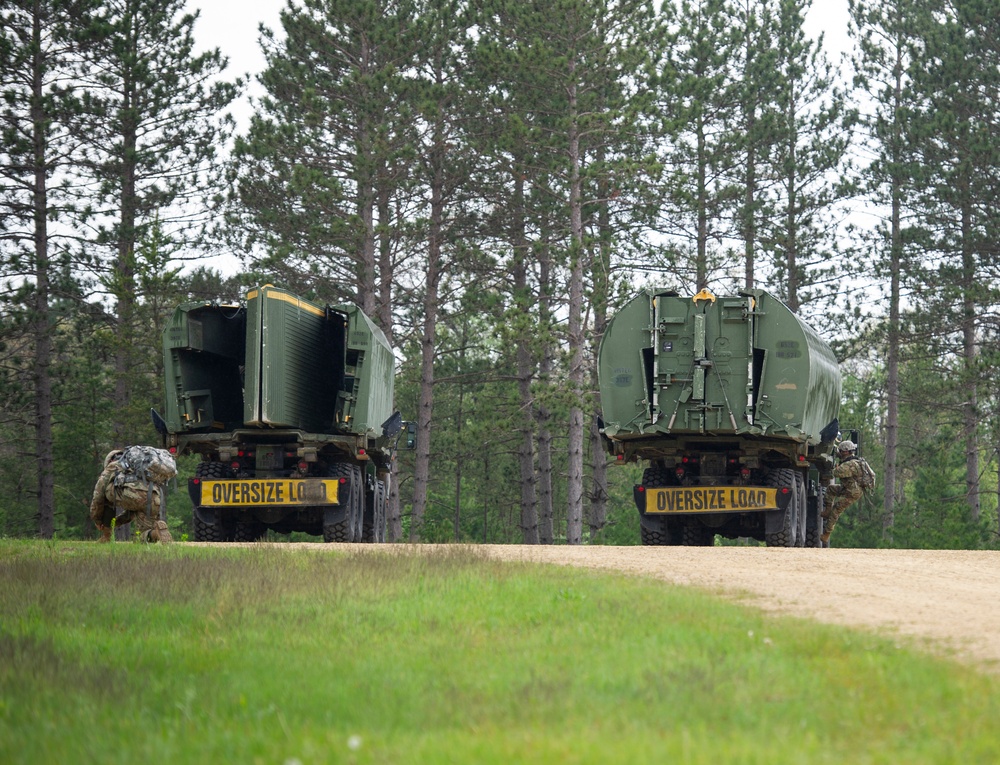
[546,507]
[425,413]
[574,481]
[40,320]
[701,267]
[894,338]
[970,407]
[525,373]
[600,278]
[125,270]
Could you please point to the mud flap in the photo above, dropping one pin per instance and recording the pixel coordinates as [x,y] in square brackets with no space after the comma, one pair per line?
[206,515]
[334,515]
[639,495]
[774,520]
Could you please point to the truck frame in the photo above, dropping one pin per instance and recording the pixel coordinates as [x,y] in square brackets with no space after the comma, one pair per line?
[289,404]
[732,402]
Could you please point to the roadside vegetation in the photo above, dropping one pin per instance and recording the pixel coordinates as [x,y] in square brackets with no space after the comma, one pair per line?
[124,653]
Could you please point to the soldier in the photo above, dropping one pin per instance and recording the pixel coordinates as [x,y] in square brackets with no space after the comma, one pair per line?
[127,501]
[855,475]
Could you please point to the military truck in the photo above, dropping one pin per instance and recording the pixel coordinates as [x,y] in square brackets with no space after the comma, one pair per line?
[289,404]
[732,403]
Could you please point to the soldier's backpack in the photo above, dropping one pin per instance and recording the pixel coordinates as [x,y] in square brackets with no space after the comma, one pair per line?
[143,471]
[148,464]
[866,479]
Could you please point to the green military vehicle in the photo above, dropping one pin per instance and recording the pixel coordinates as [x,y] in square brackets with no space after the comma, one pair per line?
[733,403]
[289,404]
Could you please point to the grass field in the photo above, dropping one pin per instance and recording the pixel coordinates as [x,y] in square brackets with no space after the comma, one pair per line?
[145,654]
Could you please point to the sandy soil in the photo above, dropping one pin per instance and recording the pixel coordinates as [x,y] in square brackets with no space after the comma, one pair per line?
[945,601]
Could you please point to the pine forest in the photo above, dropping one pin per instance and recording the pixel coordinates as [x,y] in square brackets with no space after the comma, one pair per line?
[489,181]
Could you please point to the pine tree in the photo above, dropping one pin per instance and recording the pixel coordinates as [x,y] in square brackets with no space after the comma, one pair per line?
[154,150]
[565,66]
[40,129]
[758,84]
[813,127]
[951,126]
[442,173]
[698,101]
[321,171]
[882,32]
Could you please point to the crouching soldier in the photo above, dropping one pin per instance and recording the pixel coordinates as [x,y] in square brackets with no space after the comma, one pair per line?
[130,490]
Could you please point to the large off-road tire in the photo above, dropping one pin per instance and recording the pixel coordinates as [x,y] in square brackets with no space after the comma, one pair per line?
[658,530]
[696,534]
[376,510]
[350,528]
[218,531]
[786,536]
[249,531]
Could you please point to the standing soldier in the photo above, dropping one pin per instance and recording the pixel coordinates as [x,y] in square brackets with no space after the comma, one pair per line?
[120,497]
[855,476]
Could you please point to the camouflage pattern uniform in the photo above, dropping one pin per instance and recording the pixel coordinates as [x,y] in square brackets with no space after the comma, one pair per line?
[129,503]
[838,497]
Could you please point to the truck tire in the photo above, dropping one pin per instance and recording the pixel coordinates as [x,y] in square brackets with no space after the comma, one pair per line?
[786,536]
[658,530]
[217,531]
[375,513]
[696,534]
[350,528]
[249,531]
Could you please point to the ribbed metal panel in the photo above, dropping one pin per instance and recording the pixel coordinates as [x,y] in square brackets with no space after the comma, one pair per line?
[374,372]
[730,365]
[287,359]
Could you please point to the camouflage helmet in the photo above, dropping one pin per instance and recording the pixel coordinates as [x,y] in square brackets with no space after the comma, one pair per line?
[847,446]
[113,455]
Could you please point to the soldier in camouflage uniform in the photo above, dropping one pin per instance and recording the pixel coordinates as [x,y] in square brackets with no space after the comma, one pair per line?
[838,497]
[128,503]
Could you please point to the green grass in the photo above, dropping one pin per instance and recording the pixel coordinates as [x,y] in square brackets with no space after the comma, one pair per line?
[128,653]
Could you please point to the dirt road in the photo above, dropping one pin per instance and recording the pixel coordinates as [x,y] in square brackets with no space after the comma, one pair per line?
[946,599]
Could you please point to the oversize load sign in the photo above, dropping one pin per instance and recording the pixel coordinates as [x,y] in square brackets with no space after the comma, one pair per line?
[276,491]
[711,499]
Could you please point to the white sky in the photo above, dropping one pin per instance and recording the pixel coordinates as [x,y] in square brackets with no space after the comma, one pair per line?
[231,26]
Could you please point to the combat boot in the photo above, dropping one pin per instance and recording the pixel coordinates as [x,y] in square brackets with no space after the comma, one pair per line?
[160,533]
[105,533]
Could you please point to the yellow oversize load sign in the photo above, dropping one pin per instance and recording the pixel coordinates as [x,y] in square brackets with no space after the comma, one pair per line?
[710,499]
[274,491]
